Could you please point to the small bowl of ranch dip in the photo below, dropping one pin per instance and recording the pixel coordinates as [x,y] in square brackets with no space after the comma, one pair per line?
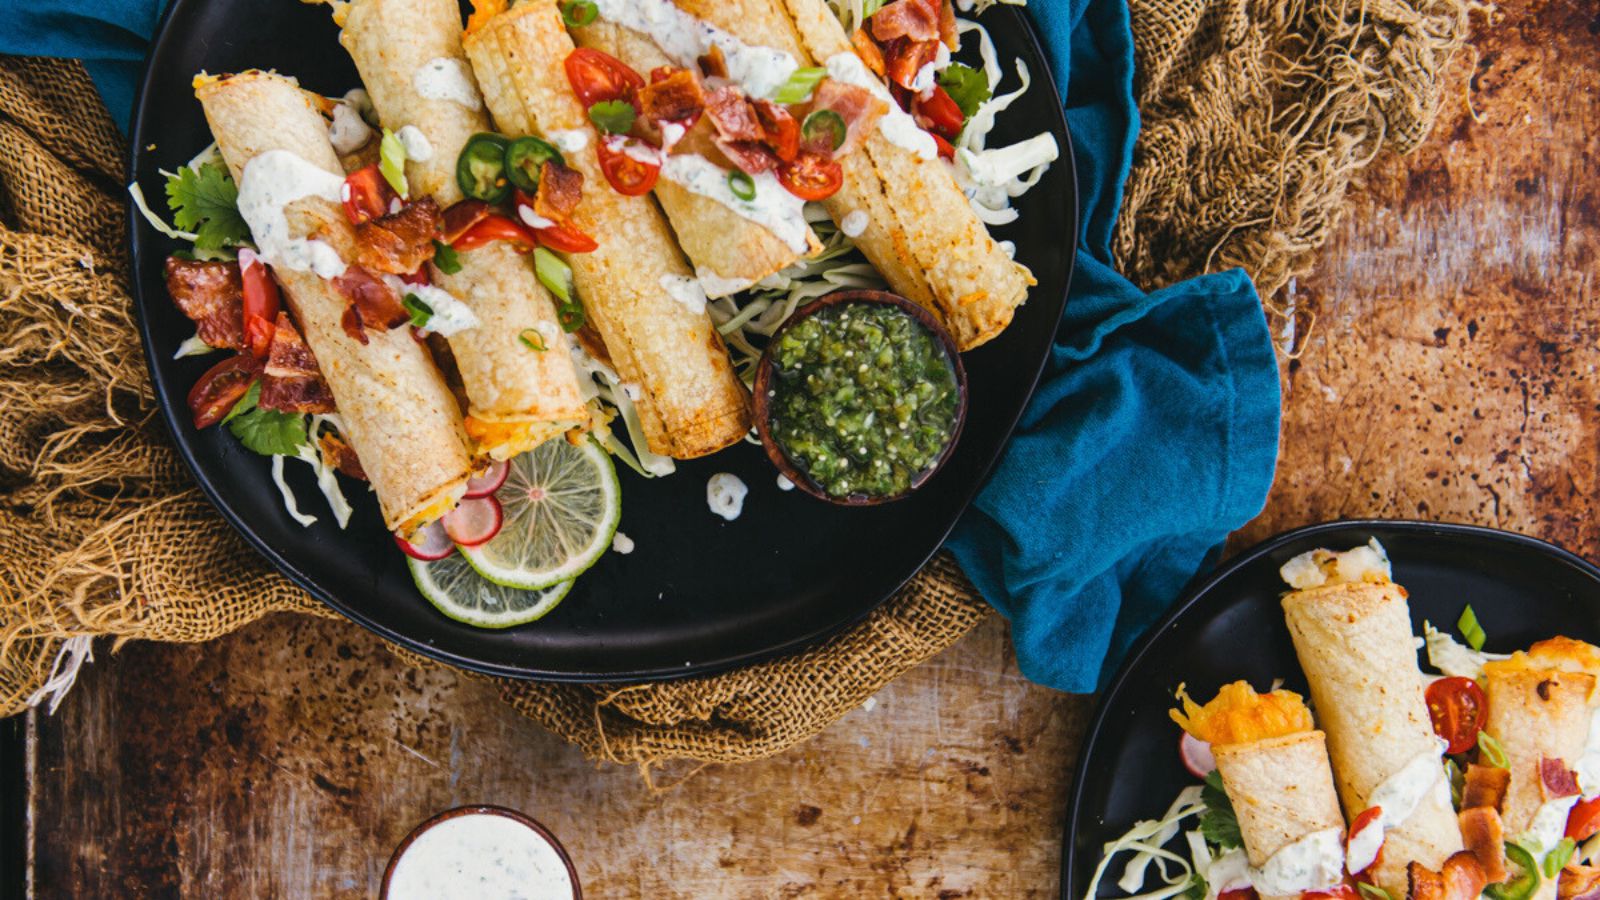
[480,853]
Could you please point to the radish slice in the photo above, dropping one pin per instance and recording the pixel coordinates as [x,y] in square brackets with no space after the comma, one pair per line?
[488,482]
[474,521]
[430,543]
[1196,755]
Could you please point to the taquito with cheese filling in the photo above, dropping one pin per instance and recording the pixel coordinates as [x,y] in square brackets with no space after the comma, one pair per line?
[394,407]
[517,395]
[634,287]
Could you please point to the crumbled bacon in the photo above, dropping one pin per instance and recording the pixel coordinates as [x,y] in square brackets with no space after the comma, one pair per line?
[1556,780]
[460,218]
[291,381]
[869,51]
[340,455]
[1579,882]
[914,19]
[373,304]
[1483,833]
[732,115]
[714,64]
[904,58]
[211,294]
[673,95]
[1460,878]
[400,242]
[855,105]
[560,190]
[1484,786]
[750,157]
[779,128]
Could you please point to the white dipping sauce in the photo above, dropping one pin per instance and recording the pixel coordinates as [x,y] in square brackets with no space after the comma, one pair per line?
[684,39]
[570,140]
[480,856]
[445,78]
[725,495]
[268,184]
[416,143]
[687,291]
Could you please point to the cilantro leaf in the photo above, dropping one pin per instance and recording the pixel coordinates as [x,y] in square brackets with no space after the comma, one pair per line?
[269,432]
[446,258]
[967,86]
[1218,824]
[244,404]
[206,202]
[421,312]
[613,116]
[1196,890]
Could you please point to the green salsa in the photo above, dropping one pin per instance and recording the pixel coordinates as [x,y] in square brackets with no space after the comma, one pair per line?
[863,398]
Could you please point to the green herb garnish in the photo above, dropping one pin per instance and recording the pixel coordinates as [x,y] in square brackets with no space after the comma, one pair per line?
[446,258]
[1470,629]
[1218,824]
[967,86]
[421,312]
[612,116]
[392,163]
[206,202]
[252,396]
[269,432]
[800,85]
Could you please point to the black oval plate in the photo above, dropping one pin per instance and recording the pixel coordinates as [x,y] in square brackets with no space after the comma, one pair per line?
[1231,626]
[698,594]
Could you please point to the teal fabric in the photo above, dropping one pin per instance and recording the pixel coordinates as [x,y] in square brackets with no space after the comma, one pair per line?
[1155,428]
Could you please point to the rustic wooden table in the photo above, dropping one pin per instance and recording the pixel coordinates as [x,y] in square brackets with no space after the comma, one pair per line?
[1451,375]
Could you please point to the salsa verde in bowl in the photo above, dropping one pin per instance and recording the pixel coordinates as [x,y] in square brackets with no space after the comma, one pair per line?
[860,397]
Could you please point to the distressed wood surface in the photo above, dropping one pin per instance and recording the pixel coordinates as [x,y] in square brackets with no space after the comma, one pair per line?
[1450,375]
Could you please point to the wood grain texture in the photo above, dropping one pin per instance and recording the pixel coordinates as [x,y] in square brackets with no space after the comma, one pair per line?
[1451,374]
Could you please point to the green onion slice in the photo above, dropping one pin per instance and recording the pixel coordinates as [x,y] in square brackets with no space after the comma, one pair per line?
[800,85]
[1491,751]
[553,273]
[1470,629]
[571,316]
[532,339]
[421,312]
[613,116]
[1372,891]
[1558,857]
[742,185]
[481,168]
[578,13]
[392,163]
[525,158]
[445,258]
[824,125]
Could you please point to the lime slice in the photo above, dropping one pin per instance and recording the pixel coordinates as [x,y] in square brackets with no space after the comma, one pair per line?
[561,506]
[458,591]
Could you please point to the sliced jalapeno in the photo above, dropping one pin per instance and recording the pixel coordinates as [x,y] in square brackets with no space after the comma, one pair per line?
[525,157]
[481,168]
[825,125]
[1524,885]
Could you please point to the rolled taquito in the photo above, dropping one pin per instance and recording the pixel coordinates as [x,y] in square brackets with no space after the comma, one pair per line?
[920,233]
[633,286]
[1274,768]
[517,396]
[728,240]
[1355,644]
[394,407]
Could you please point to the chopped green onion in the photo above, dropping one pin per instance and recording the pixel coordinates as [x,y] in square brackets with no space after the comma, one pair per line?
[1491,751]
[742,185]
[578,13]
[1458,781]
[1470,629]
[1559,857]
[825,125]
[869,8]
[800,85]
[446,258]
[532,339]
[392,163]
[1372,891]
[571,316]
[554,273]
[421,313]
[612,116]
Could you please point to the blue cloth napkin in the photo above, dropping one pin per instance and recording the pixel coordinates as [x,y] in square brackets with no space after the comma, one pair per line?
[1154,432]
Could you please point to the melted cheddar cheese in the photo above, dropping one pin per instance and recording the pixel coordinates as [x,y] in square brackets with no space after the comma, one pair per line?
[1558,654]
[1239,715]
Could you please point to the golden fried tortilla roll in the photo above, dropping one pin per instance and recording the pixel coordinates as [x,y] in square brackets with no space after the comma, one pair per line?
[636,287]
[394,407]
[410,58]
[1274,768]
[1355,645]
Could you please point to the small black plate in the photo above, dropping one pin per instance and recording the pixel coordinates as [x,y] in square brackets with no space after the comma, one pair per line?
[1231,626]
[698,594]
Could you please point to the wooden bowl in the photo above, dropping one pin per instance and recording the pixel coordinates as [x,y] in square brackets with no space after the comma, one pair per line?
[488,810]
[765,372]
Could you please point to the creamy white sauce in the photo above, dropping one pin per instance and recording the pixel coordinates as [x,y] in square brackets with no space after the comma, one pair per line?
[772,207]
[445,78]
[717,286]
[621,543]
[896,126]
[635,149]
[854,223]
[997,167]
[926,76]
[570,140]
[671,134]
[1315,862]
[1399,795]
[533,219]
[784,484]
[450,316]
[1230,871]
[1588,766]
[479,856]
[416,143]
[725,495]
[1548,826]
[684,39]
[268,184]
[1319,567]
[348,132]
[1363,848]
[687,291]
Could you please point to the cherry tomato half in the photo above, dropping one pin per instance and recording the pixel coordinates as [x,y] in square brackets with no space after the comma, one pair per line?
[1458,709]
[221,387]
[1584,820]
[947,150]
[628,175]
[261,303]
[495,227]
[596,76]
[939,113]
[366,195]
[811,176]
[566,239]
[1247,893]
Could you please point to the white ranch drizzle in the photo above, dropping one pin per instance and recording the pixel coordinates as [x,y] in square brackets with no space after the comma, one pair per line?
[570,140]
[772,207]
[896,126]
[1315,862]
[268,184]
[717,286]
[684,39]
[725,495]
[450,316]
[348,132]
[416,143]
[444,78]
[687,291]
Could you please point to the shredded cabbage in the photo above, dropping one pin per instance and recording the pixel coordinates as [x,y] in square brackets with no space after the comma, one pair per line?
[1146,840]
[1454,658]
[193,346]
[609,397]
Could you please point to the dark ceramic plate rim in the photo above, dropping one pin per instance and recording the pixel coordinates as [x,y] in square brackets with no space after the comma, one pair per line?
[1220,580]
[1022,26]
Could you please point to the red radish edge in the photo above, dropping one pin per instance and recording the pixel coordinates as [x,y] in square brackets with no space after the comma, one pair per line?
[489,482]
[431,544]
[474,521]
[1196,755]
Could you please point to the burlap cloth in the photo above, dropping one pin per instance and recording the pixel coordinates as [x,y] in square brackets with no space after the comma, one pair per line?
[1257,116]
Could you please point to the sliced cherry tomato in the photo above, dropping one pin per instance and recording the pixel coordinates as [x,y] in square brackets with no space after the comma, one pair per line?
[261,303]
[566,238]
[937,112]
[779,128]
[596,77]
[1584,820]
[366,195]
[947,150]
[1458,709]
[1246,893]
[495,227]
[1337,892]
[460,217]
[811,176]
[628,175]
[221,387]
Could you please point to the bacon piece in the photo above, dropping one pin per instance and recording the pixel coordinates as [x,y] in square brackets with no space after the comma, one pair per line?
[780,130]
[212,295]
[732,115]
[340,455]
[750,157]
[400,242]
[1556,780]
[1579,882]
[673,95]
[373,304]
[1460,878]
[560,190]
[869,51]
[714,64]
[855,105]
[904,58]
[291,381]
[460,218]
[1484,786]
[1483,833]
[914,19]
